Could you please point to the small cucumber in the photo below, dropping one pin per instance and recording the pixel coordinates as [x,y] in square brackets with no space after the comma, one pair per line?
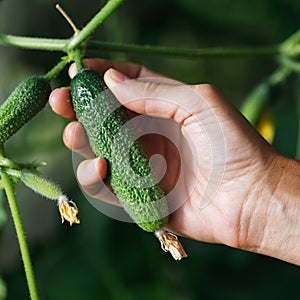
[256,102]
[129,172]
[28,98]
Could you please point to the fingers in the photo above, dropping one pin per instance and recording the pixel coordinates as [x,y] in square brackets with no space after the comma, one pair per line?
[60,102]
[75,139]
[159,97]
[60,99]
[131,70]
[91,171]
[74,135]
[91,175]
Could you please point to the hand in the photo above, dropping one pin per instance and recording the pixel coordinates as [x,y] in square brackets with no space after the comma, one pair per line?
[202,122]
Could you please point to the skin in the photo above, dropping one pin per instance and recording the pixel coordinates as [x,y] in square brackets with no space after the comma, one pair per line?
[255,205]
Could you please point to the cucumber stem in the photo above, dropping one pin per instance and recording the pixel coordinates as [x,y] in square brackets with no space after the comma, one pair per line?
[8,186]
[49,44]
[170,243]
[7,163]
[187,53]
[14,173]
[65,60]
[92,25]
[34,43]
[289,46]
[78,60]
[290,64]
[280,75]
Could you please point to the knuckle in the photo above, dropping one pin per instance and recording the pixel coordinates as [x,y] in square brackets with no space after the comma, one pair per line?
[206,90]
[151,88]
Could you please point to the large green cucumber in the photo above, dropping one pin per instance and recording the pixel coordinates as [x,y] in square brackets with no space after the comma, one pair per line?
[28,98]
[112,138]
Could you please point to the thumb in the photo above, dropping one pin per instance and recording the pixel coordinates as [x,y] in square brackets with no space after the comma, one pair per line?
[159,97]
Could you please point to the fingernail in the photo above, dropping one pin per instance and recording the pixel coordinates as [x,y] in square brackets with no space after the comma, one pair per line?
[72,70]
[91,166]
[53,98]
[117,76]
[87,172]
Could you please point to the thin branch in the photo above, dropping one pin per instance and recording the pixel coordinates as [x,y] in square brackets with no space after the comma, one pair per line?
[8,186]
[58,68]
[92,25]
[184,52]
[36,43]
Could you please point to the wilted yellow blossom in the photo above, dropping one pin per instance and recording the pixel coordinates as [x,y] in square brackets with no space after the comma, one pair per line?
[169,242]
[68,210]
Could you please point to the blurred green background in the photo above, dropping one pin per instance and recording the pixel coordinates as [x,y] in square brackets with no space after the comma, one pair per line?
[106,259]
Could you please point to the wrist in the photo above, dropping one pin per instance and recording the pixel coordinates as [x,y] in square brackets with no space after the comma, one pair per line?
[270,219]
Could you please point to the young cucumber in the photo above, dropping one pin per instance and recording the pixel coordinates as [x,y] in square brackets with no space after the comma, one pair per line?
[23,104]
[112,138]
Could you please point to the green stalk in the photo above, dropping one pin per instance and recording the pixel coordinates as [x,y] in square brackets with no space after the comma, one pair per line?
[291,45]
[8,186]
[260,96]
[290,63]
[14,173]
[184,52]
[78,60]
[58,68]
[279,75]
[34,43]
[92,25]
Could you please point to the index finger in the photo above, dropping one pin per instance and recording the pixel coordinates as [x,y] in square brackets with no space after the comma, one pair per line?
[60,102]
[60,99]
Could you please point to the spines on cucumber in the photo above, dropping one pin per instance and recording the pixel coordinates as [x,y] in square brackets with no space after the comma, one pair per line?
[129,172]
[28,98]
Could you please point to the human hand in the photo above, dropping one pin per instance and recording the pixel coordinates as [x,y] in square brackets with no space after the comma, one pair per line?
[213,139]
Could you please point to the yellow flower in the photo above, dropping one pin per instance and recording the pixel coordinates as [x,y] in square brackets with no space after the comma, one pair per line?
[68,210]
[266,126]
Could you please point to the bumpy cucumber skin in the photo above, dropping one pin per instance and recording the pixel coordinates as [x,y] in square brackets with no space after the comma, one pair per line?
[102,117]
[28,98]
